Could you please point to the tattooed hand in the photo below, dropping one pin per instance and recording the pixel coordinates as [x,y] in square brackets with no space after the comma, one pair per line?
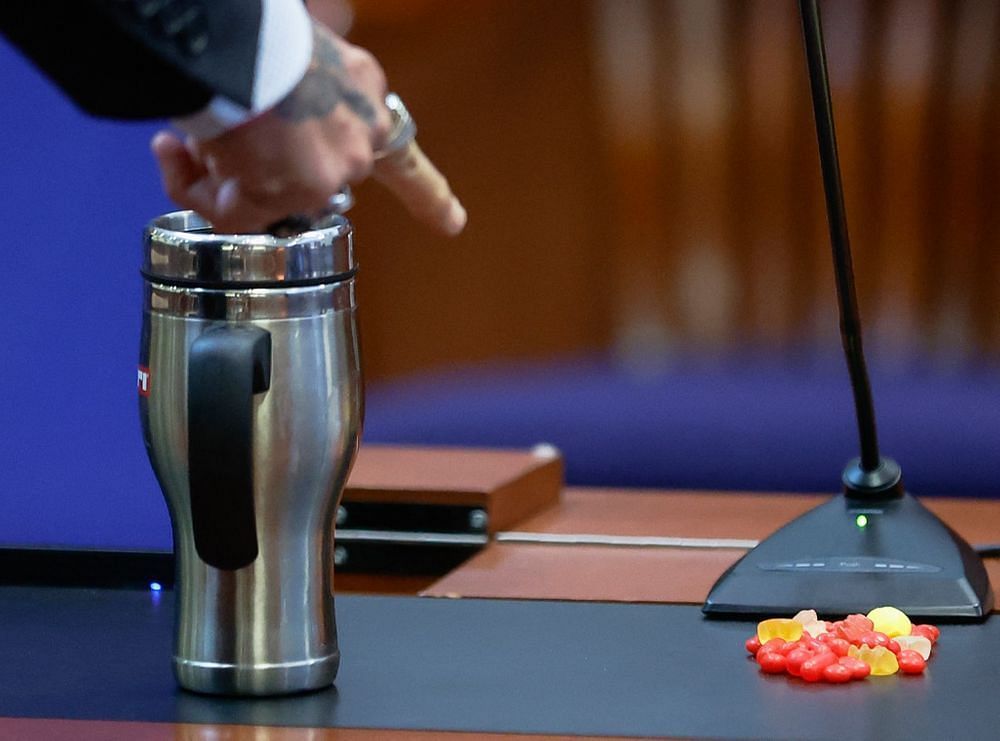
[291,159]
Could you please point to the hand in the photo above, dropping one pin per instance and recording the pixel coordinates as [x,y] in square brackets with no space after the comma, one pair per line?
[337,15]
[289,160]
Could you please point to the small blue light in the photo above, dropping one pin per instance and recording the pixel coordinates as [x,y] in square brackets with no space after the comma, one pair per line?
[155,586]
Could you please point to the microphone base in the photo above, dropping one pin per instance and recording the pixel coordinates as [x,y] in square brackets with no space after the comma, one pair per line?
[852,554]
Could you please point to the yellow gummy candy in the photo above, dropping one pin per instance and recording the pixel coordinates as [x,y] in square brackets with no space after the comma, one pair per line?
[881,660]
[891,621]
[789,630]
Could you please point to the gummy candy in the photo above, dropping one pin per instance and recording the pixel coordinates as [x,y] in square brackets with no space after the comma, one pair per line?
[812,668]
[839,646]
[816,628]
[789,630]
[771,662]
[928,631]
[891,621]
[806,616]
[859,669]
[882,661]
[920,644]
[853,627]
[850,649]
[810,622]
[910,662]
[837,673]
[795,659]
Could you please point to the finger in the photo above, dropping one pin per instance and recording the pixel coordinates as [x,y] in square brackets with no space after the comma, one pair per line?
[189,182]
[365,89]
[185,179]
[178,169]
[240,210]
[414,180]
[381,126]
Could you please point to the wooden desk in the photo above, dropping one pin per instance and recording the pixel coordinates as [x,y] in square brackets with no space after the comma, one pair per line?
[519,570]
[23,729]
[633,573]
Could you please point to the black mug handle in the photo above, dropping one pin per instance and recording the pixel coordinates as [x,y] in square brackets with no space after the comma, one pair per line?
[227,365]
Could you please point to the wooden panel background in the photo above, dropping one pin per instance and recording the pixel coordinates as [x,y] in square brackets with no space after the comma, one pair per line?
[641,176]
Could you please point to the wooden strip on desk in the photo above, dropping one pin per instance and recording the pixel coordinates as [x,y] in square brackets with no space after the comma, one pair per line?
[365,583]
[701,514]
[521,571]
[596,573]
[689,514]
[99,730]
[637,574]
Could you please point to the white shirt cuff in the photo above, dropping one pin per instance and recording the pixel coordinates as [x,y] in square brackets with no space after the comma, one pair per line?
[284,49]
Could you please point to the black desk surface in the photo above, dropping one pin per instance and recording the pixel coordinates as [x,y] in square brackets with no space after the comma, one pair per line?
[490,665]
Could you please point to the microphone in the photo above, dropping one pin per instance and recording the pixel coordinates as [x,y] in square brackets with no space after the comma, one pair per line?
[871,474]
[874,544]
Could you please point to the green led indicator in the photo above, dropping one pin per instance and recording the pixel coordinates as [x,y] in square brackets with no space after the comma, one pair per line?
[861,520]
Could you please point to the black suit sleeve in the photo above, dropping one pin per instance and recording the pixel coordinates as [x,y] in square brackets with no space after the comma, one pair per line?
[140,58]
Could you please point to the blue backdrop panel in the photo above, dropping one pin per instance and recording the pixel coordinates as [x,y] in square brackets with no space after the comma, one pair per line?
[76,193]
[753,422]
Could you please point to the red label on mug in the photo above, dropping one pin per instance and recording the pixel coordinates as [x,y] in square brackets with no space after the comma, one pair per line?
[143,381]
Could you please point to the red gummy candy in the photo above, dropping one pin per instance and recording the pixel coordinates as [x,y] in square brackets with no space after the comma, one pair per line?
[771,662]
[839,646]
[753,644]
[930,632]
[775,644]
[859,669]
[837,674]
[910,662]
[790,646]
[795,659]
[812,668]
[852,628]
[873,638]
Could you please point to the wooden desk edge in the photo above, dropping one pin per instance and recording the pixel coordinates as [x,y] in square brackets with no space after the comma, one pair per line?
[56,729]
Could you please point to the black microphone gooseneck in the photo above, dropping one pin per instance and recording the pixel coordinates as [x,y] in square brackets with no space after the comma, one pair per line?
[871,474]
[875,544]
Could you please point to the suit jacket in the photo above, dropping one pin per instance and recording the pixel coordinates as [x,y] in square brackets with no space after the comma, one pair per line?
[141,58]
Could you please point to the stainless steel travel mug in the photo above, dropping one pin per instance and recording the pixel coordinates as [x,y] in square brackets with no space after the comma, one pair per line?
[251,405]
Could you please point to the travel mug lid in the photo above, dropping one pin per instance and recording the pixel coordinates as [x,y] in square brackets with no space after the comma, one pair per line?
[180,249]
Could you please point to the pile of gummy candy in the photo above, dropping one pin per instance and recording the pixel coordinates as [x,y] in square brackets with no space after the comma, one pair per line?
[880,643]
